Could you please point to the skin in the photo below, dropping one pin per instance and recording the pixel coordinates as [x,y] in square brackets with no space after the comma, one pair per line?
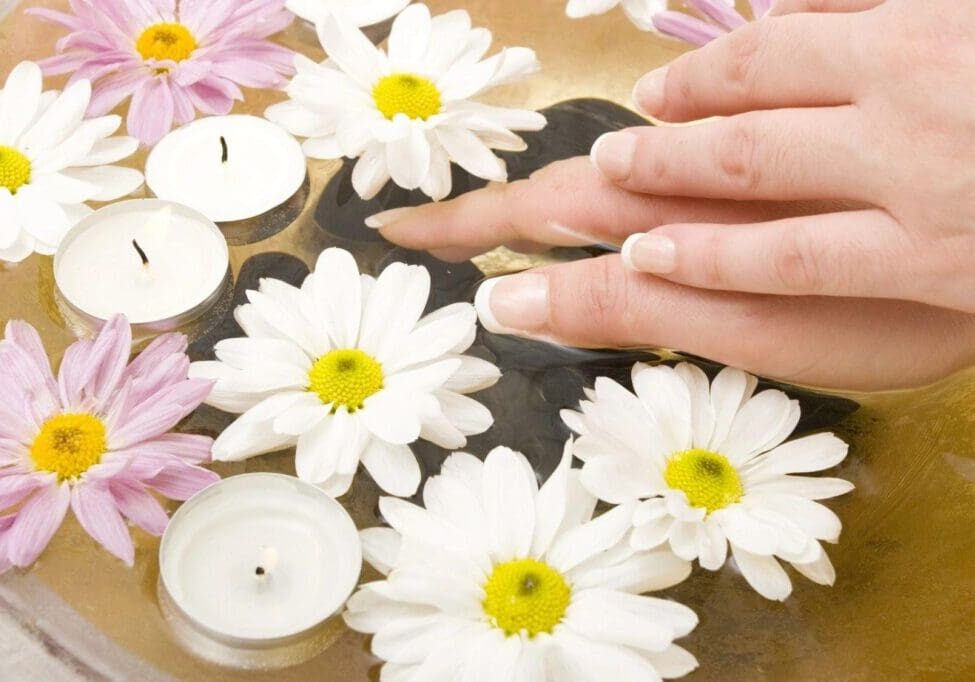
[822,231]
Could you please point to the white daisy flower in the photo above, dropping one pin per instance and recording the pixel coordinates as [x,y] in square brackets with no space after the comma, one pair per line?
[51,162]
[497,579]
[347,369]
[712,468]
[640,12]
[407,114]
[355,12]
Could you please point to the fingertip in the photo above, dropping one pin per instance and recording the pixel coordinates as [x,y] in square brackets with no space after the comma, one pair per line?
[650,92]
[627,251]
[482,304]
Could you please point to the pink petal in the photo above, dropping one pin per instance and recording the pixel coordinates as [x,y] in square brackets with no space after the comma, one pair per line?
[160,412]
[14,488]
[111,351]
[52,16]
[719,12]
[95,510]
[214,96]
[109,92]
[157,351]
[64,63]
[5,523]
[179,481]
[139,506]
[151,111]
[189,448]
[687,28]
[75,373]
[36,524]
[248,73]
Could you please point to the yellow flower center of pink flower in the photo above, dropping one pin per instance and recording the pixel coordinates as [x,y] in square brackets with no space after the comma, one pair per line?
[707,478]
[407,93]
[526,595]
[345,377]
[69,445]
[166,42]
[14,169]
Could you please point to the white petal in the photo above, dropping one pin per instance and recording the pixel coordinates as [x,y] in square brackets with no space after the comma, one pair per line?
[393,467]
[464,147]
[422,379]
[759,426]
[763,573]
[551,502]
[371,173]
[434,337]
[408,158]
[380,547]
[620,478]
[394,416]
[577,659]
[812,453]
[60,119]
[474,374]
[112,182]
[412,640]
[20,101]
[466,414]
[509,490]
[672,662]
[811,487]
[668,399]
[393,309]
[319,450]
[375,605]
[338,292]
[244,439]
[409,37]
[813,518]
[702,412]
[642,572]
[598,535]
[820,571]
[439,180]
[352,51]
[729,391]
[628,620]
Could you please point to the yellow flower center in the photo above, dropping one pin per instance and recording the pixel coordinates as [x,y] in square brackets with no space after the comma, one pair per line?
[345,377]
[407,93]
[707,478]
[14,169]
[69,445]
[526,595]
[166,41]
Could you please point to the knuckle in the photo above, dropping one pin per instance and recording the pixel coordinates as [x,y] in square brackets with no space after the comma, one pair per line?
[744,52]
[795,264]
[738,157]
[604,293]
[589,302]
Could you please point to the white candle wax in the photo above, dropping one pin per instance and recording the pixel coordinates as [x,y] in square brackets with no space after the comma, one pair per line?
[260,557]
[227,167]
[181,262]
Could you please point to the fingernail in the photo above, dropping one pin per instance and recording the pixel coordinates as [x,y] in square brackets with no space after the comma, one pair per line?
[613,154]
[653,253]
[513,303]
[387,217]
[650,92]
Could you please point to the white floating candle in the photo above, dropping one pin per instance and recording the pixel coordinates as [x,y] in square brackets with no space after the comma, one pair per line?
[227,167]
[255,561]
[161,264]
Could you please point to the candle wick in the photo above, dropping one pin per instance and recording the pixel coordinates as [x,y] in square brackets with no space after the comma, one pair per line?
[142,254]
[225,152]
[259,571]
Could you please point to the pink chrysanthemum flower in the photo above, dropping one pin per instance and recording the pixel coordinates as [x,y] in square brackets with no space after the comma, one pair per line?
[715,19]
[173,57]
[95,438]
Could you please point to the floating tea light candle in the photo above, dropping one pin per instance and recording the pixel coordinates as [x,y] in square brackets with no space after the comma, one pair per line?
[227,167]
[160,264]
[254,569]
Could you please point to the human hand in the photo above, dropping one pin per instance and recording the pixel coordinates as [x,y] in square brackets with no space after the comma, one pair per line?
[835,342]
[869,101]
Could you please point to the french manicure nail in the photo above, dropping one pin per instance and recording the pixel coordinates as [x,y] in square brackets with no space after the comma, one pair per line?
[387,217]
[650,92]
[613,155]
[513,304]
[653,253]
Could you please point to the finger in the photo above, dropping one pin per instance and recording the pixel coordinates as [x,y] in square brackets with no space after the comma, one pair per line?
[859,344]
[787,154]
[792,61]
[865,254]
[568,203]
[859,253]
[796,6]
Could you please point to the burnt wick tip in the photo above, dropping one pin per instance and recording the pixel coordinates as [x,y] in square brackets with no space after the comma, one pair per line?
[142,254]
[225,152]
[259,570]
